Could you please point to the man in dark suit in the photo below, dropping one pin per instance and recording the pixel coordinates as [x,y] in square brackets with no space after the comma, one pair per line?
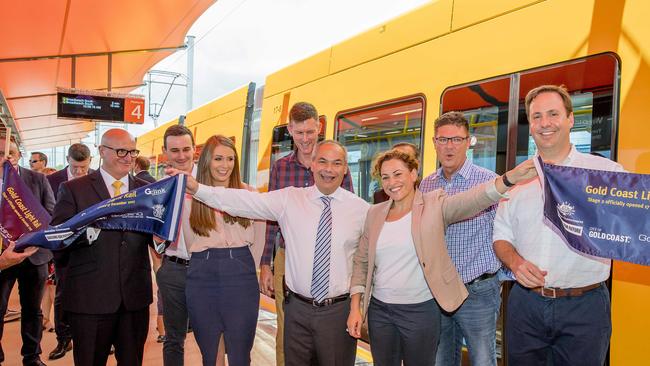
[78,165]
[30,274]
[107,288]
[141,169]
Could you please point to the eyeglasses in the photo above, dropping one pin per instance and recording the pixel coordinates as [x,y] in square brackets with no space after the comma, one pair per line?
[34,161]
[456,140]
[121,153]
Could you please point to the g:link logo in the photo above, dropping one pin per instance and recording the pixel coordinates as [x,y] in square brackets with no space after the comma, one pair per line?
[644,237]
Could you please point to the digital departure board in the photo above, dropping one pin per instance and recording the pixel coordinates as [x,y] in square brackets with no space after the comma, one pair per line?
[101,108]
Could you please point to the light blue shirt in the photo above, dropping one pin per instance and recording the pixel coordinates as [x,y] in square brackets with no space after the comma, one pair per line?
[469,242]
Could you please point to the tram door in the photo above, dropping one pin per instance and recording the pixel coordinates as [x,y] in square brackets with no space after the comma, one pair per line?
[497,118]
[367,131]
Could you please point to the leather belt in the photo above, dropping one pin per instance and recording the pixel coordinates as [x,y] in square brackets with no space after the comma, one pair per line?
[181,261]
[552,292]
[483,277]
[326,302]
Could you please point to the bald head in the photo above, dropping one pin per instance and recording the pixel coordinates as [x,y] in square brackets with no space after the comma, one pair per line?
[115,134]
[118,152]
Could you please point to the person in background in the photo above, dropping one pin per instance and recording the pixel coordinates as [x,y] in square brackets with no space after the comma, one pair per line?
[78,159]
[141,169]
[30,274]
[222,288]
[402,267]
[469,243]
[37,161]
[559,308]
[292,170]
[380,195]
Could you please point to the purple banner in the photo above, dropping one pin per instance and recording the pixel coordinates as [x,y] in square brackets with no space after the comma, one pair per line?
[600,213]
[20,211]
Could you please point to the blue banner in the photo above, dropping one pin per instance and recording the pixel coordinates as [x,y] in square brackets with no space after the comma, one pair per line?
[20,211]
[155,209]
[599,213]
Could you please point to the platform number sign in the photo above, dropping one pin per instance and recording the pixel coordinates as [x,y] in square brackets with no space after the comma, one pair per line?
[134,110]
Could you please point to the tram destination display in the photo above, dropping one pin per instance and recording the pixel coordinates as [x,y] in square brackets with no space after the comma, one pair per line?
[100,107]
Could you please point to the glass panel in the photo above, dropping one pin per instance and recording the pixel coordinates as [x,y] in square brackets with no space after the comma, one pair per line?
[590,83]
[370,131]
[485,105]
[282,143]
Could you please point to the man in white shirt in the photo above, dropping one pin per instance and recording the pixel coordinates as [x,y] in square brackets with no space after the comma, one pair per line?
[178,147]
[559,309]
[321,225]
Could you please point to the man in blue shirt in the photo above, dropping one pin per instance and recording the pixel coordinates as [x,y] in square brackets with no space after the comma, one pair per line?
[469,244]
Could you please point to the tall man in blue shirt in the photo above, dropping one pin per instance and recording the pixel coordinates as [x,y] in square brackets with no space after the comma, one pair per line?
[470,247]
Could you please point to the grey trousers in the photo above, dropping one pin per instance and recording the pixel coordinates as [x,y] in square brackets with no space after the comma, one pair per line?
[317,335]
[171,279]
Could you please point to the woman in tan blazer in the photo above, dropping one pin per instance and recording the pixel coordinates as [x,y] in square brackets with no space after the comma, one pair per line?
[402,265]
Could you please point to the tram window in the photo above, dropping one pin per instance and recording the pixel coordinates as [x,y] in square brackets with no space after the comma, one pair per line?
[485,105]
[369,131]
[282,143]
[590,82]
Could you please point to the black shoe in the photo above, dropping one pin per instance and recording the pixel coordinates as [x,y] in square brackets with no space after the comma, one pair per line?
[61,348]
[112,351]
[160,339]
[36,362]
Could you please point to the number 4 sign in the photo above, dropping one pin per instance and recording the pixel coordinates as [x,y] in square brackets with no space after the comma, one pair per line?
[134,110]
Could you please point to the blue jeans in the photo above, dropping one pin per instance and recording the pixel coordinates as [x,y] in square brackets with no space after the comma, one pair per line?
[476,321]
[403,332]
[571,330]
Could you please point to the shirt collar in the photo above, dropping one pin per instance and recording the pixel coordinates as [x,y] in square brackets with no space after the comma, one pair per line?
[464,171]
[108,179]
[315,195]
[573,155]
[293,158]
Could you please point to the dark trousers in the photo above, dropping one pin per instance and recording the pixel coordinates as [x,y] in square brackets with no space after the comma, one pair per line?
[317,335]
[171,279]
[93,335]
[223,296]
[403,332]
[61,326]
[564,331]
[31,284]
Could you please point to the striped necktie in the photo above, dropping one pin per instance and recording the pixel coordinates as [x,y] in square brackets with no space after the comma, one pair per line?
[320,278]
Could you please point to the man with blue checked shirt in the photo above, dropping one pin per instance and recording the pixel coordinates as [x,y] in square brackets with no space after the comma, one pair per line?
[469,244]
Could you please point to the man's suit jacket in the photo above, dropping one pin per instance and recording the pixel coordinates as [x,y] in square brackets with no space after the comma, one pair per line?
[432,212]
[59,177]
[115,268]
[39,186]
[55,179]
[144,175]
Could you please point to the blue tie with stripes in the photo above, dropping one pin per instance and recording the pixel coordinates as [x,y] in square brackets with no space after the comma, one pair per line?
[320,278]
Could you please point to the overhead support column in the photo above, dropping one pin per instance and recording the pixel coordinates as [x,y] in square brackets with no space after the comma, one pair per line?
[190,74]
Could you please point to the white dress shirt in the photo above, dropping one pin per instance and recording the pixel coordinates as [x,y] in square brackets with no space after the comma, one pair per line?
[178,248]
[108,180]
[520,221]
[297,211]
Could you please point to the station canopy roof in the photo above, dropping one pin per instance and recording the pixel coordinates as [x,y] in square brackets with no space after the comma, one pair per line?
[70,44]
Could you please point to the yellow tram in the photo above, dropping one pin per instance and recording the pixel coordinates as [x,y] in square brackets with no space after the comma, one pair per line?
[389,84]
